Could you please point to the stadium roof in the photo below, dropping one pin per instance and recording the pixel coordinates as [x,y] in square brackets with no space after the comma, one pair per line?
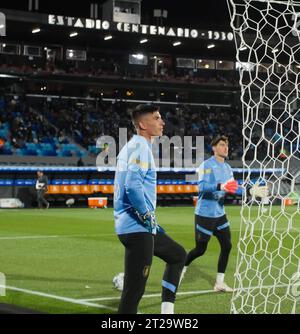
[204,15]
[211,14]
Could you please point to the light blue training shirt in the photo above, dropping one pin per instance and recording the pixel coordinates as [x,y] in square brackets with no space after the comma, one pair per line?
[134,185]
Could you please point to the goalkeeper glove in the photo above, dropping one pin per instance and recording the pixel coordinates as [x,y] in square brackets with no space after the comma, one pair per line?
[259,191]
[148,220]
[230,186]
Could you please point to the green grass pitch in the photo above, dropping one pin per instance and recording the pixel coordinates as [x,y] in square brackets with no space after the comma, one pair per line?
[63,261]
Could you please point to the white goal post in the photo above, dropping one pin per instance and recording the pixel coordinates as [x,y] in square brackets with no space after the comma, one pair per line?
[267,39]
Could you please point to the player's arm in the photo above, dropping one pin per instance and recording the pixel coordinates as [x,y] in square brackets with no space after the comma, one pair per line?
[231,186]
[208,184]
[137,169]
[134,186]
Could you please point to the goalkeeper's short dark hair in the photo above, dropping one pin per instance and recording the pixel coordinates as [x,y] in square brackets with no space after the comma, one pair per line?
[142,109]
[217,139]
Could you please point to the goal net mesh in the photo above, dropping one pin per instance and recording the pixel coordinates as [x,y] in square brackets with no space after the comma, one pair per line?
[267,38]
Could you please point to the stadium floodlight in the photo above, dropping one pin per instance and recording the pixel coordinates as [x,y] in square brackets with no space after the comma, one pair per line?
[73,34]
[267,275]
[210,46]
[176,43]
[108,37]
[145,40]
[36,30]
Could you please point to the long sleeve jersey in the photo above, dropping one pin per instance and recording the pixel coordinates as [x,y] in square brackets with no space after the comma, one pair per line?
[134,185]
[211,200]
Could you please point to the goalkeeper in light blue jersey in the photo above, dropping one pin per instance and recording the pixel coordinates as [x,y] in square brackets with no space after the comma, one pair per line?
[215,180]
[134,213]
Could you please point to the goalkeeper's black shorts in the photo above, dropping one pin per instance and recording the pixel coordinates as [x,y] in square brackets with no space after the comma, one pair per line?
[205,227]
[139,251]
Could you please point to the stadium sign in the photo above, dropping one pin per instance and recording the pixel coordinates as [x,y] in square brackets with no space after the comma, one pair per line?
[138,28]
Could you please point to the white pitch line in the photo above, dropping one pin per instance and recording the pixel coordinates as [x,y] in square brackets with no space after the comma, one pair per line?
[25,237]
[29,237]
[54,236]
[186,293]
[64,299]
[199,292]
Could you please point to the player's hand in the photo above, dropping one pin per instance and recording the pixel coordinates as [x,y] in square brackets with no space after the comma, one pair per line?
[230,186]
[148,219]
[259,191]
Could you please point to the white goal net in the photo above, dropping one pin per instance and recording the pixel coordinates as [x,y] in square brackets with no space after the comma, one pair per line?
[267,37]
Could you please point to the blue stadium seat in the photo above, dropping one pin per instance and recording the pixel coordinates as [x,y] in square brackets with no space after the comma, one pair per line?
[48,153]
[65,153]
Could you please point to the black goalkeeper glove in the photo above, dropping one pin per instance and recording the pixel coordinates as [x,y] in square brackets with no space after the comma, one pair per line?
[148,220]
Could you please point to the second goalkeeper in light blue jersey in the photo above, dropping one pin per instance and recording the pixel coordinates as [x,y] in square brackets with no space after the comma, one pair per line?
[215,179]
[213,174]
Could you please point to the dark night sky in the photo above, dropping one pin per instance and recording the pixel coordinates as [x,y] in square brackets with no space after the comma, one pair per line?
[187,13]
